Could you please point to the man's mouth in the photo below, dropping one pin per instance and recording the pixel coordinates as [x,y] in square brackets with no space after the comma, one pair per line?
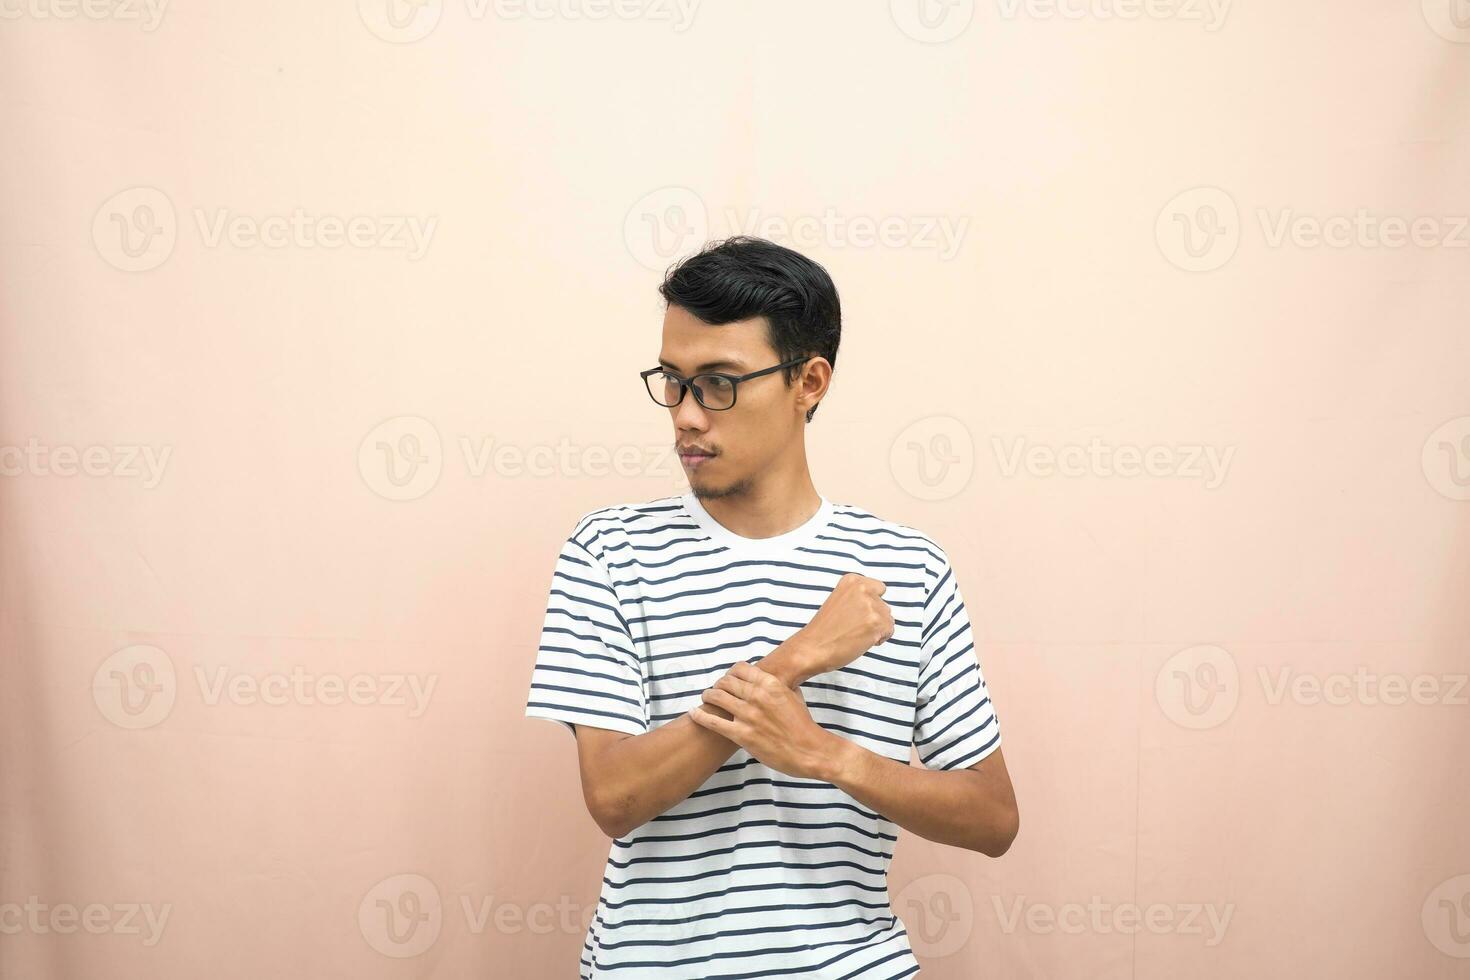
[693,457]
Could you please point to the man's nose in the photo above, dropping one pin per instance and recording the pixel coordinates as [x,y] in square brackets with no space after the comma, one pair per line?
[689,414]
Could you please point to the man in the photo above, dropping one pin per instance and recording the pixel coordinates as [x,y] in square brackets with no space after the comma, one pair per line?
[746,665]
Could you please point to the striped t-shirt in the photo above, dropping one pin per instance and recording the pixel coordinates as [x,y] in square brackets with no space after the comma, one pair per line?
[757,873]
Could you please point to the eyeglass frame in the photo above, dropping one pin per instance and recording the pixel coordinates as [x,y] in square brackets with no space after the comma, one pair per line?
[686,383]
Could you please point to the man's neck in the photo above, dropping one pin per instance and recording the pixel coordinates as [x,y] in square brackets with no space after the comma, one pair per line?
[765,511]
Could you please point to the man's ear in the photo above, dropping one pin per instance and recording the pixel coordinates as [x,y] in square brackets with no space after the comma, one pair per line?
[815,379]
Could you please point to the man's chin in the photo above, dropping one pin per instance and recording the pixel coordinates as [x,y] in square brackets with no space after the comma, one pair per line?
[706,489]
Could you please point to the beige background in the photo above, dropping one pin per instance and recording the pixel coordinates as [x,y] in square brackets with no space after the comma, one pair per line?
[279,509]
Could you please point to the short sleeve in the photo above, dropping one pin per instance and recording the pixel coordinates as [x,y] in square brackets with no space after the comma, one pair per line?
[955,725]
[586,671]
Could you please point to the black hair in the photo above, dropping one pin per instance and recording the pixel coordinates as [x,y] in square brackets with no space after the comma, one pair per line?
[743,277]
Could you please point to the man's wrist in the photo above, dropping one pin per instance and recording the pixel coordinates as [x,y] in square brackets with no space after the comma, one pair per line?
[841,762]
[787,663]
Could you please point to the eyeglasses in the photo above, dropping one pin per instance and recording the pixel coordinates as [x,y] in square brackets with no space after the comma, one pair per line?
[715,392]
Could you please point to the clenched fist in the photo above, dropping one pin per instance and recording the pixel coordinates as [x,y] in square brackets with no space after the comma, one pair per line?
[852,620]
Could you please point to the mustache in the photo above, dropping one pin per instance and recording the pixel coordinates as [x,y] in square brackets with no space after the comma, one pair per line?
[693,449]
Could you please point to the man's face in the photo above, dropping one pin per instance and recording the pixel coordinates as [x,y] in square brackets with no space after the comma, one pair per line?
[723,451]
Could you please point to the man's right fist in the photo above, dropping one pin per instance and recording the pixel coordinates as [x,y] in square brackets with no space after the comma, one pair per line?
[852,620]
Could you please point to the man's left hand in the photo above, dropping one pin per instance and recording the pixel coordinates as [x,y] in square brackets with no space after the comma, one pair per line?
[769,720]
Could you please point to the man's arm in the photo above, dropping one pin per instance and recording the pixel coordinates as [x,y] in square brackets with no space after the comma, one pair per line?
[628,780]
[974,808]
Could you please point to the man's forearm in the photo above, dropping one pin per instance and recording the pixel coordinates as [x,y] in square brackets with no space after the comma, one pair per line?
[969,808]
[642,776]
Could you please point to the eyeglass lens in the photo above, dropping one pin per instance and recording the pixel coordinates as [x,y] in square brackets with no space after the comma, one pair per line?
[712,391]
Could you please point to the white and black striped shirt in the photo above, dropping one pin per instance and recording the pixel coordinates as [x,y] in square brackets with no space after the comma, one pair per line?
[756,873]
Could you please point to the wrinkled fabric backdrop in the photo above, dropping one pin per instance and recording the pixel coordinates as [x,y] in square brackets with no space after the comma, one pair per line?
[320,327]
